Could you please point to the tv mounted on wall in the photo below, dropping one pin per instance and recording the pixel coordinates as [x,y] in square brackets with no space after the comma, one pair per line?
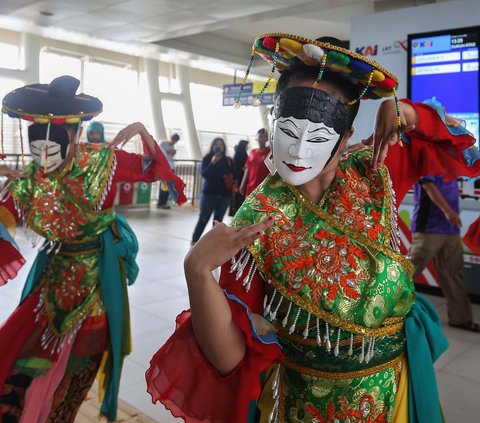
[444,64]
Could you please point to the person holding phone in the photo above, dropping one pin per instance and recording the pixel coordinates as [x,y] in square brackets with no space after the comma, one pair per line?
[215,194]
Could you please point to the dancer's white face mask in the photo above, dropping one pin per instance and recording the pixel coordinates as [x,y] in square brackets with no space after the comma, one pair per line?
[308,127]
[47,154]
[301,148]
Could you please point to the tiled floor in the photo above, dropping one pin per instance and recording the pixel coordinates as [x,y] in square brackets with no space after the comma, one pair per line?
[160,294]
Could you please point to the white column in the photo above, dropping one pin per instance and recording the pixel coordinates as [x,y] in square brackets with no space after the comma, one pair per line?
[151,69]
[193,143]
[31,44]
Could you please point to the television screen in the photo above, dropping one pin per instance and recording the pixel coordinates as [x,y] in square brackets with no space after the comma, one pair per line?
[444,64]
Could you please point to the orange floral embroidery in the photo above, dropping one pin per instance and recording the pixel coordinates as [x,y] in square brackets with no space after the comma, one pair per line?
[69,292]
[366,411]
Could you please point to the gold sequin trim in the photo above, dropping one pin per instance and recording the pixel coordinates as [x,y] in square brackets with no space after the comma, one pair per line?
[347,375]
[80,116]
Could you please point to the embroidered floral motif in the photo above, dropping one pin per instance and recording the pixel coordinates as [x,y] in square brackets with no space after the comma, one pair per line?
[367,411]
[355,194]
[52,210]
[70,292]
[330,266]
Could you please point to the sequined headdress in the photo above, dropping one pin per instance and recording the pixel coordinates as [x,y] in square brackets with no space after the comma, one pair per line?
[56,103]
[283,50]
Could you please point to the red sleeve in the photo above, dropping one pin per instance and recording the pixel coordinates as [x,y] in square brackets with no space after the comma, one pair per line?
[135,167]
[187,384]
[10,258]
[432,150]
[472,237]
[10,261]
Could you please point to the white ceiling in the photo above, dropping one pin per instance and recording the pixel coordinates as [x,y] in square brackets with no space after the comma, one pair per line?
[220,30]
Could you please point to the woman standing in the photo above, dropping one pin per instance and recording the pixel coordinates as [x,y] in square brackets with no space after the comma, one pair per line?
[216,167]
[239,159]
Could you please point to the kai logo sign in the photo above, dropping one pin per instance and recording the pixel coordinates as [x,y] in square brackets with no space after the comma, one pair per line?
[367,50]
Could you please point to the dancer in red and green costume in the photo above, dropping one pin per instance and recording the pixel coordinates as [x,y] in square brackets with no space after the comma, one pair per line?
[73,320]
[315,318]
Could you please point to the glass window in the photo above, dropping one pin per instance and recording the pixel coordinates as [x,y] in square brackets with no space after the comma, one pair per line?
[169,85]
[11,134]
[175,121]
[117,87]
[9,56]
[53,65]
[212,119]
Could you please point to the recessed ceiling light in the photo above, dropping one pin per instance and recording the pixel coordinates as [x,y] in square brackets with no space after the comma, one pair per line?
[45,13]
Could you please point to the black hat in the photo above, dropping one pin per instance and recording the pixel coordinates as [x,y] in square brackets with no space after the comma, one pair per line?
[55,103]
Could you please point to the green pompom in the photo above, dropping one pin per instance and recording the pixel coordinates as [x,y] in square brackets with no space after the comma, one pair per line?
[337,58]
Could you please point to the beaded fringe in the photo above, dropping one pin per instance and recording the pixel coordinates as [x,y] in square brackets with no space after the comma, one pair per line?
[244,269]
[394,230]
[108,185]
[49,340]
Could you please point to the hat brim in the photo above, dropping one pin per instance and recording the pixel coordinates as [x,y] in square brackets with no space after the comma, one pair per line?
[35,103]
[374,81]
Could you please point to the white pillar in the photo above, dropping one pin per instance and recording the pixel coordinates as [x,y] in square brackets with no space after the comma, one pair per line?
[31,44]
[151,69]
[193,143]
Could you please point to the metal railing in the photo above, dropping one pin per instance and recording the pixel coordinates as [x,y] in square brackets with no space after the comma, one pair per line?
[187,170]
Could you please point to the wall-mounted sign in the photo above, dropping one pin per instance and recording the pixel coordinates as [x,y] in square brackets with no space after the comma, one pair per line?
[249,93]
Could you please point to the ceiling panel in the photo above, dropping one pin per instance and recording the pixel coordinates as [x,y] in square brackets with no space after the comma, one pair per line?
[176,20]
[215,30]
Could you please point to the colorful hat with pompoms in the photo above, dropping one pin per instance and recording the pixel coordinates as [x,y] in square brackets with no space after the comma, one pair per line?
[284,50]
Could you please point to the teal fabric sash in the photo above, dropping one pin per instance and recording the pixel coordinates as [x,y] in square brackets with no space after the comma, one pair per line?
[425,343]
[116,303]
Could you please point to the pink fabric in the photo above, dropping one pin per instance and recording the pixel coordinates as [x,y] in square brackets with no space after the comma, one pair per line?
[39,395]
[10,262]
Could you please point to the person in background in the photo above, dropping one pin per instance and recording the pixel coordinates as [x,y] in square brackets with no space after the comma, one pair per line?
[95,133]
[435,230]
[239,160]
[255,169]
[166,189]
[215,194]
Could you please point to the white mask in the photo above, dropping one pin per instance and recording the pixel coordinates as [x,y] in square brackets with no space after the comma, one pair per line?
[47,152]
[301,148]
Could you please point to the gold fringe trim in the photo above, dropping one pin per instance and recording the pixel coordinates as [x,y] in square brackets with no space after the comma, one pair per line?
[347,375]
[48,118]
[299,339]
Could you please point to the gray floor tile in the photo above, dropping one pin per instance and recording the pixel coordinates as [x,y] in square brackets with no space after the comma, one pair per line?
[160,293]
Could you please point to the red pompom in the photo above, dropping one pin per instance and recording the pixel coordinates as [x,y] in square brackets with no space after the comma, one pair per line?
[388,83]
[270,43]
